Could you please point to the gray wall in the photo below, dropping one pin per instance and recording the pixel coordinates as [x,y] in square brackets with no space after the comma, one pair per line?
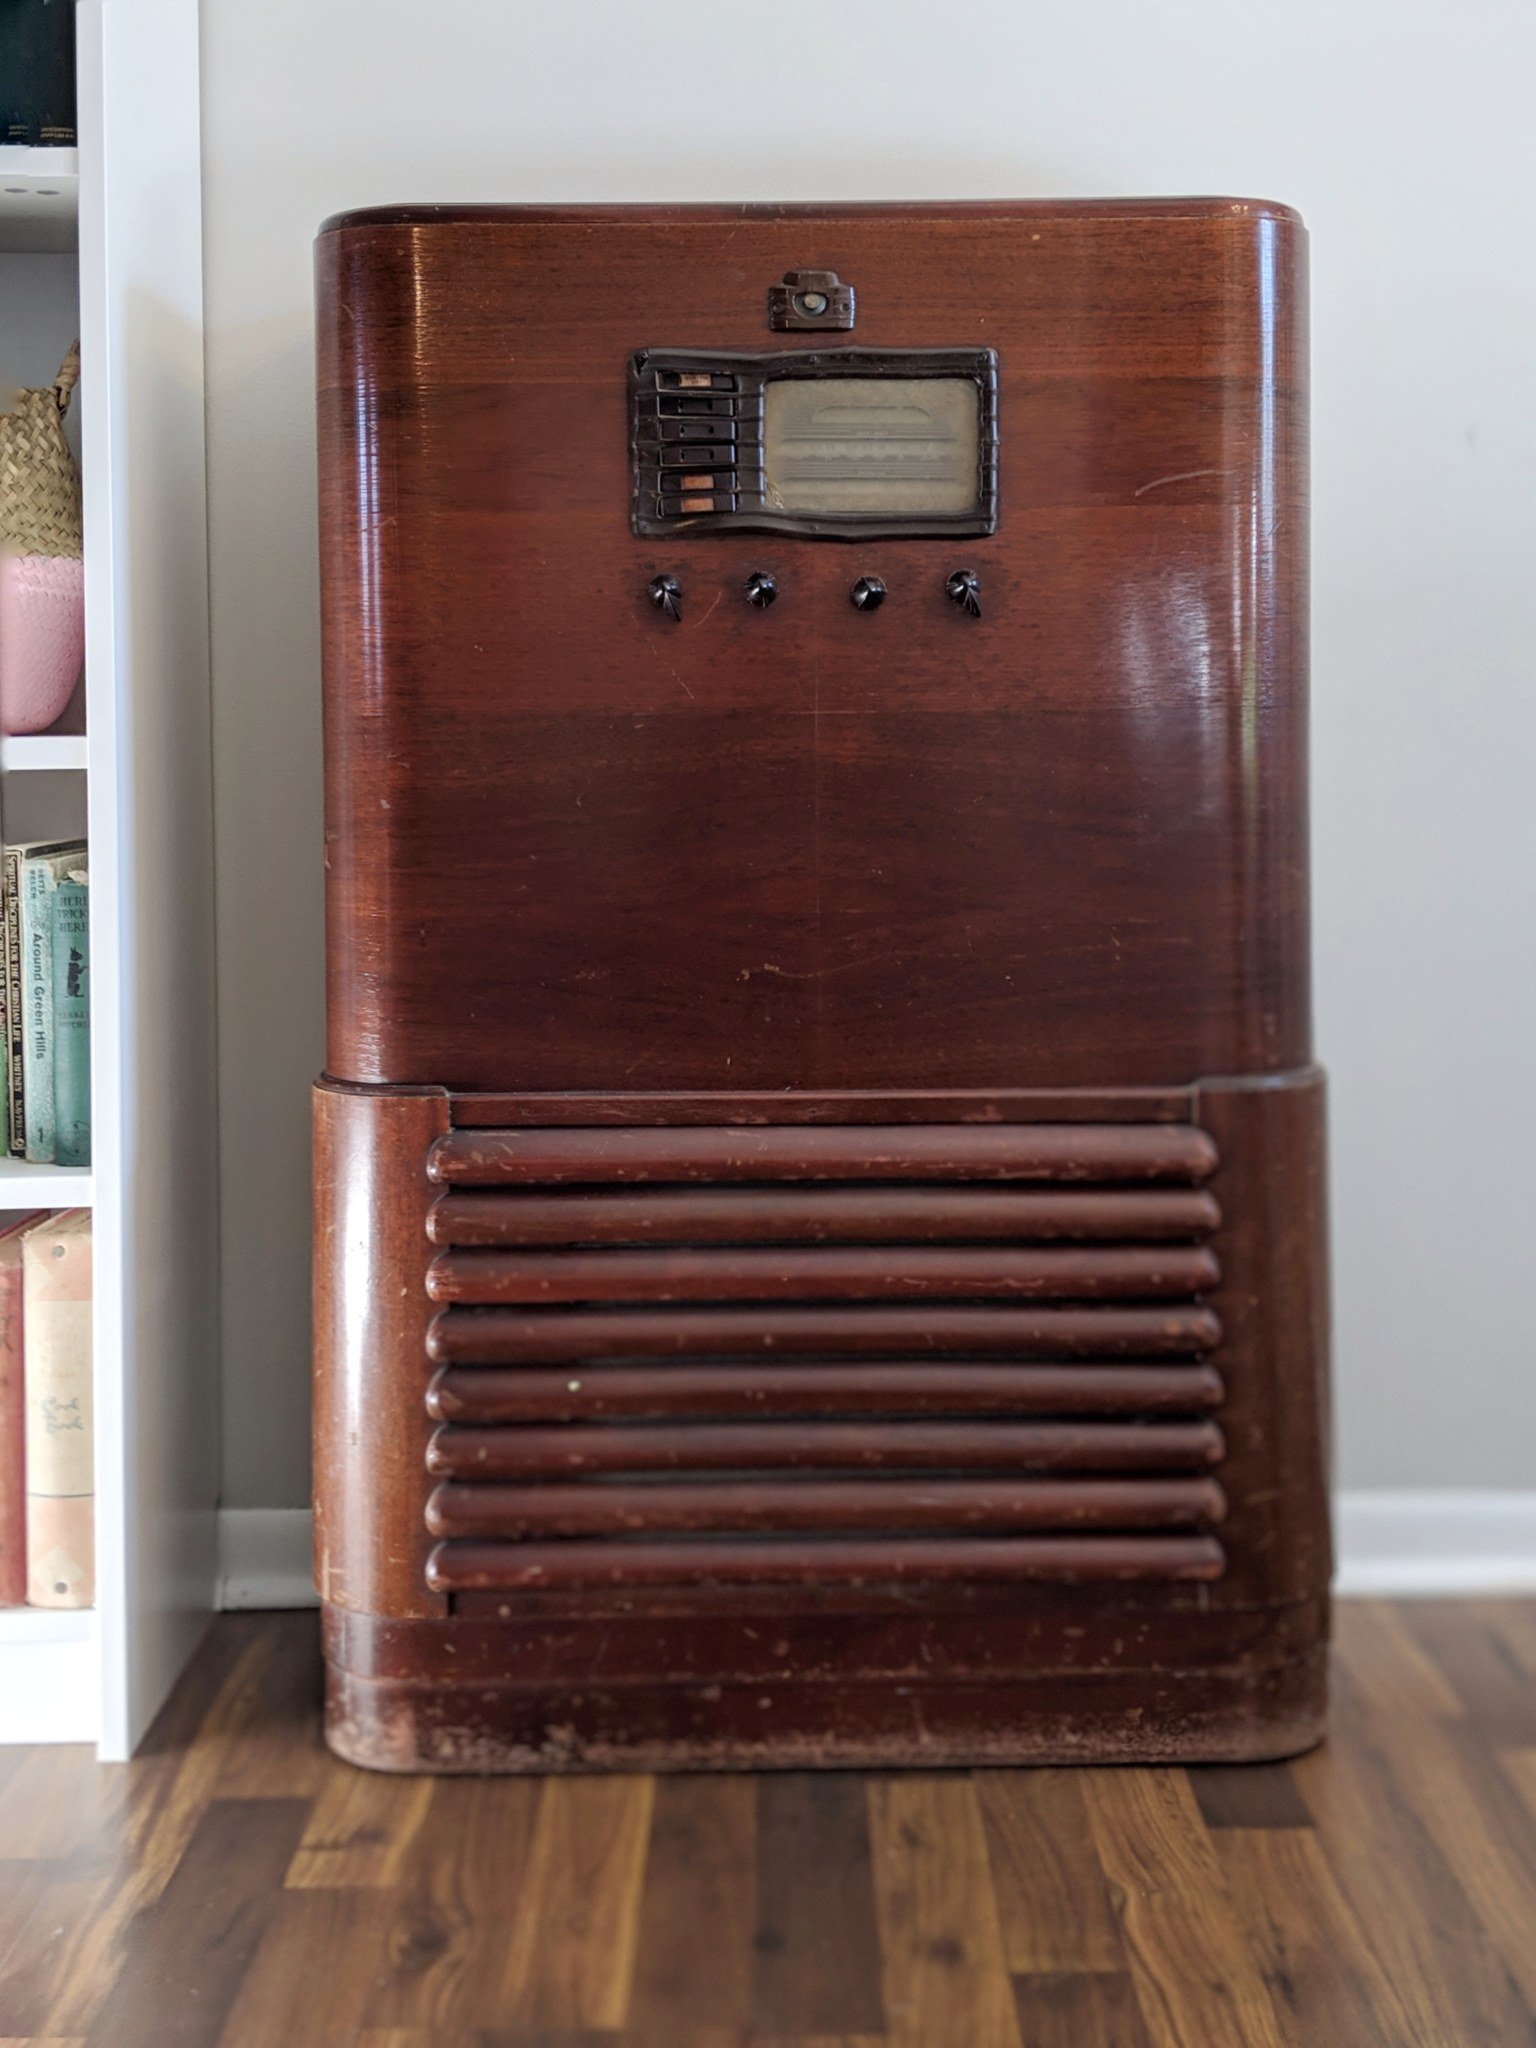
[1404,134]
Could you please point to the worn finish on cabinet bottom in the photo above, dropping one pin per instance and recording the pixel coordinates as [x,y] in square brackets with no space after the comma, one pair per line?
[772,1691]
[239,1887]
[748,1441]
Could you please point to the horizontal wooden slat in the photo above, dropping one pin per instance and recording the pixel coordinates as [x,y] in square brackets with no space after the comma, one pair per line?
[506,1336]
[821,1273]
[846,1215]
[897,1506]
[914,1387]
[526,1567]
[537,1452]
[1047,1152]
[829,1106]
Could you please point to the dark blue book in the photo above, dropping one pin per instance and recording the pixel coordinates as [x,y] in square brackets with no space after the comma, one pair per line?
[37,72]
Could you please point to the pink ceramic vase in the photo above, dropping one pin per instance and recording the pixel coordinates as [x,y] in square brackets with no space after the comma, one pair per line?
[42,637]
[42,582]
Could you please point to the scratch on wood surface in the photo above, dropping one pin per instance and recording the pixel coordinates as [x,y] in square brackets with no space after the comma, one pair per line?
[1180,476]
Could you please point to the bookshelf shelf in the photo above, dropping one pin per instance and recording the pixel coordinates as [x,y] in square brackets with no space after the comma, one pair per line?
[49,1664]
[46,1624]
[39,200]
[42,753]
[24,1186]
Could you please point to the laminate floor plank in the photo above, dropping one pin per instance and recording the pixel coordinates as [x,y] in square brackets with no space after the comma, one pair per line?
[61,1805]
[1052,1895]
[189,1952]
[1079,2010]
[1388,1667]
[1413,1915]
[48,1922]
[1514,1623]
[409,2037]
[264,1724]
[179,1769]
[445,1960]
[695,1946]
[1248,1796]
[571,1952]
[362,1829]
[1489,1679]
[1461,1797]
[311,1973]
[944,1965]
[818,2041]
[1325,1983]
[1197,1982]
[817,1944]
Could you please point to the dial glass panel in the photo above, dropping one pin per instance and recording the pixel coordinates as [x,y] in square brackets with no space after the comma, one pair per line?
[900,445]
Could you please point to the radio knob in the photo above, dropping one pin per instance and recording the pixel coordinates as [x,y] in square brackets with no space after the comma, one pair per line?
[964,589]
[666,593]
[868,594]
[761,589]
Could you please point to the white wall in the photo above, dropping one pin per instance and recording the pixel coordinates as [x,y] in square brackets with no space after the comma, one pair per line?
[1404,134]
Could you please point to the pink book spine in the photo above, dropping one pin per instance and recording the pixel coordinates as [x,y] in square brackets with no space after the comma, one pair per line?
[13,1458]
[61,1508]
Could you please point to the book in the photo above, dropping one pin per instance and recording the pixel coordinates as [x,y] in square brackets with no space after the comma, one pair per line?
[5,1028]
[60,1433]
[10,936]
[71,939]
[38,874]
[37,72]
[13,1457]
[11,906]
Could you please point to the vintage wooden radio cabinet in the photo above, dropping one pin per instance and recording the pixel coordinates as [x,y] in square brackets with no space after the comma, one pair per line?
[819,1240]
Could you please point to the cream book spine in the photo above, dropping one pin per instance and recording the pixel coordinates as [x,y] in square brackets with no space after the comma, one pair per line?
[61,1482]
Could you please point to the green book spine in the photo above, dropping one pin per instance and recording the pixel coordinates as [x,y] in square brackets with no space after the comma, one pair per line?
[41,873]
[72,1023]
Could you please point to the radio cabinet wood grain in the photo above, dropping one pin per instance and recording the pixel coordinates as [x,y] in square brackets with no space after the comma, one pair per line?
[820,1249]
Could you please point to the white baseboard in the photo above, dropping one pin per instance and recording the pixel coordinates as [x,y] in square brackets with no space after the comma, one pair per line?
[1401,1544]
[1414,1545]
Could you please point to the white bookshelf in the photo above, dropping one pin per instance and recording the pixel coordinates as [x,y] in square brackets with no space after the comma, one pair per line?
[110,237]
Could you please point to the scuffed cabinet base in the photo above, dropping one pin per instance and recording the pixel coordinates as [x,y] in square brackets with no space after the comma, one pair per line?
[1239,1715]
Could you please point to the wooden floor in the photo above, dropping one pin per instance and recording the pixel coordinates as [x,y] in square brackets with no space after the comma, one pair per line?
[235,1888]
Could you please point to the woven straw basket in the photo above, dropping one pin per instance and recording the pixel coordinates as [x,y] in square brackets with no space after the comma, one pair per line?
[42,577]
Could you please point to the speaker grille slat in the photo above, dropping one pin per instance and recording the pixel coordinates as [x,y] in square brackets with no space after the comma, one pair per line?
[858,1214]
[829,1561]
[507,1512]
[883,1152]
[823,1355]
[896,1387]
[852,1273]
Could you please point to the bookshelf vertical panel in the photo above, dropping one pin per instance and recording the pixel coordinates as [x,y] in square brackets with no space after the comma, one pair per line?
[149,822]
